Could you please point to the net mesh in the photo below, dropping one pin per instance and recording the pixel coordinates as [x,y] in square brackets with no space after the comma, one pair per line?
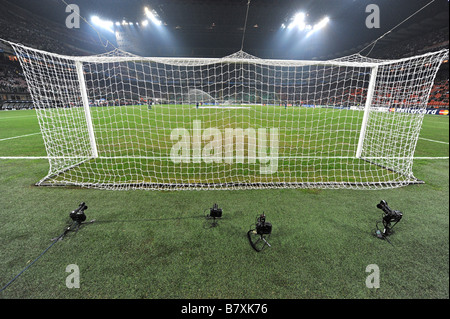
[120,121]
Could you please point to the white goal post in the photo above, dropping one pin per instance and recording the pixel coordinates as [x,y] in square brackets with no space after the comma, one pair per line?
[120,121]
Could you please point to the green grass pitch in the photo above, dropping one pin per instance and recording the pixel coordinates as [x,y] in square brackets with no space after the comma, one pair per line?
[314,145]
[157,244]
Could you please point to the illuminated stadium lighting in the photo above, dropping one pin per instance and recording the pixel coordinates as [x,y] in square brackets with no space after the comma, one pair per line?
[105,24]
[318,26]
[298,21]
[321,24]
[117,23]
[153,16]
[144,23]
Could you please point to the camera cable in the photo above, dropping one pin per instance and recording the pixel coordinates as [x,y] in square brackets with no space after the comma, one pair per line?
[54,241]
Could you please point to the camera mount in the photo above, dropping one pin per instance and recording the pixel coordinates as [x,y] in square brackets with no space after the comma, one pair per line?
[78,215]
[214,212]
[258,236]
[390,216]
[78,218]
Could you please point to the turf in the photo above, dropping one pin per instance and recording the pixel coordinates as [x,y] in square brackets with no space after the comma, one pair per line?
[135,146]
[157,244]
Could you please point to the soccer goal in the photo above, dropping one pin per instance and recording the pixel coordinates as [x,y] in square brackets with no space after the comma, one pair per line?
[120,121]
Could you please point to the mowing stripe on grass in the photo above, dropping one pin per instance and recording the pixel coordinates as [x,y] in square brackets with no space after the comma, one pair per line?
[16,117]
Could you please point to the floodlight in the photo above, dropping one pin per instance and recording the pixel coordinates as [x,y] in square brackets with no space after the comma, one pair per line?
[144,23]
[322,23]
[298,21]
[153,16]
[95,20]
[291,25]
[105,24]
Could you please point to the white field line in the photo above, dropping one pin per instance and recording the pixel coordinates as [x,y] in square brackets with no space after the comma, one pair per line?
[13,137]
[426,139]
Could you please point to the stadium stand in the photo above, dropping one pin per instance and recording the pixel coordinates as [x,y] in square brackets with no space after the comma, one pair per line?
[11,77]
[22,26]
[432,41]
[439,95]
[13,87]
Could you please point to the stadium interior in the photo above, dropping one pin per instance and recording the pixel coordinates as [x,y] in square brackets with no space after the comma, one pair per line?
[80,106]
[208,29]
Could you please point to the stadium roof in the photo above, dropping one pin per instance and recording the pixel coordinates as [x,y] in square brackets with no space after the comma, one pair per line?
[215,28]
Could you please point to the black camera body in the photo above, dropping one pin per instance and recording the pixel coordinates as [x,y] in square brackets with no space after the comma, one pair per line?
[78,215]
[258,236]
[263,227]
[391,216]
[215,211]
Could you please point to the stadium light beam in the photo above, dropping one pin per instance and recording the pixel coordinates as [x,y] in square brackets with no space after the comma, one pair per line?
[321,24]
[318,26]
[152,16]
[105,24]
[298,21]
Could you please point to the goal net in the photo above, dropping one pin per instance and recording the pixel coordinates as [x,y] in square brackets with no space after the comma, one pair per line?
[120,121]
